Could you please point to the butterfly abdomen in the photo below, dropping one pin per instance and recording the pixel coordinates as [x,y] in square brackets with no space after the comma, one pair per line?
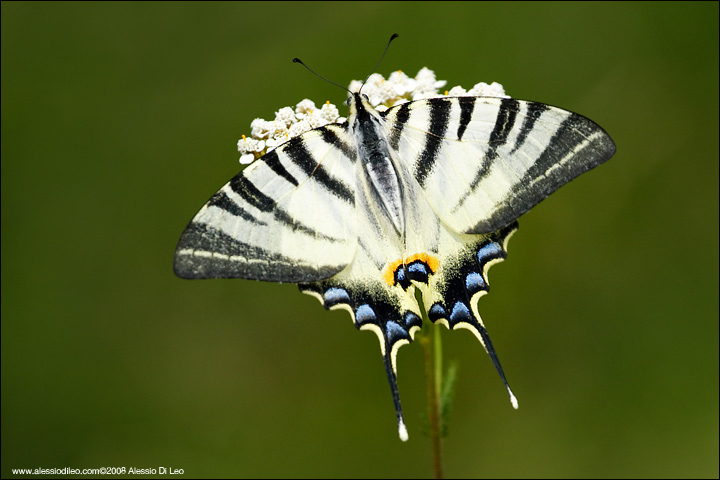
[373,149]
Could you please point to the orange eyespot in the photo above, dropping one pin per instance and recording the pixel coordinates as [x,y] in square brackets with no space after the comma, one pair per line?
[389,274]
[432,262]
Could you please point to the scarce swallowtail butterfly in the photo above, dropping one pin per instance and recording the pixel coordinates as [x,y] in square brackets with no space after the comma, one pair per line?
[424,195]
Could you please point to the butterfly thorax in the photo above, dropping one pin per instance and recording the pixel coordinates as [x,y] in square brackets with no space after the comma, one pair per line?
[372,147]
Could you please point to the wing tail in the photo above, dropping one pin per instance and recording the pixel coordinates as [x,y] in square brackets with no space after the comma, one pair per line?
[378,311]
[454,294]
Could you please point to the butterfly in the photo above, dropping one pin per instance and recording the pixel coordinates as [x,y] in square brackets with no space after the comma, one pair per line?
[424,195]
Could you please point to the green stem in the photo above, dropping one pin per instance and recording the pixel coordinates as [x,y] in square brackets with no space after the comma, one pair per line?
[438,352]
[432,349]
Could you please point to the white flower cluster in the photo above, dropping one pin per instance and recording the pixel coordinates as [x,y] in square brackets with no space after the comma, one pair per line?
[288,123]
[382,93]
[399,88]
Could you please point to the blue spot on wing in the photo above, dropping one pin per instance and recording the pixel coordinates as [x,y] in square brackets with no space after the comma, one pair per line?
[412,320]
[437,311]
[460,313]
[418,271]
[334,296]
[490,251]
[394,332]
[365,314]
[474,282]
[418,267]
[401,277]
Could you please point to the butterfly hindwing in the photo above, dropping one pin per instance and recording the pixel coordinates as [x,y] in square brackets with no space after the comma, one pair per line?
[484,161]
[288,217]
[451,275]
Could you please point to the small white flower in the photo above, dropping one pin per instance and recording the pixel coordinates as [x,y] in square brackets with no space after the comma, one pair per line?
[355,86]
[285,115]
[260,128]
[498,90]
[374,80]
[277,128]
[384,92]
[299,128]
[401,83]
[426,83]
[316,119]
[457,92]
[329,112]
[424,73]
[247,158]
[250,149]
[482,89]
[305,107]
[246,145]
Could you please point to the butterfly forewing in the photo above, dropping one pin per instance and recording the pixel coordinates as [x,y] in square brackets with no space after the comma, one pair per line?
[288,217]
[484,161]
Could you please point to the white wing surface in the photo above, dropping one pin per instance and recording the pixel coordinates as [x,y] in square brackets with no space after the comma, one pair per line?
[288,217]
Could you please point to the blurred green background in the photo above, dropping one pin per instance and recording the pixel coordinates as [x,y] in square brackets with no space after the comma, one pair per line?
[120,120]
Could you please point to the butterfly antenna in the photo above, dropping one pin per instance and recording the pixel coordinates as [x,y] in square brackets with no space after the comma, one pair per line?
[297,60]
[392,37]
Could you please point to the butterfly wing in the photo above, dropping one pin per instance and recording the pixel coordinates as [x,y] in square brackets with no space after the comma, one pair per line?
[483,161]
[479,163]
[288,217]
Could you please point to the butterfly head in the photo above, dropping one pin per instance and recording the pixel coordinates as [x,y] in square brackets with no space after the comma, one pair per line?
[361,111]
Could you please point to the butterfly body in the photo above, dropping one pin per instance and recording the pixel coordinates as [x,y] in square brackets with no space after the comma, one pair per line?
[424,195]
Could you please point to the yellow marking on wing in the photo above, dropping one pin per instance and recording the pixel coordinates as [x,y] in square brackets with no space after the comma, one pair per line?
[389,274]
[427,259]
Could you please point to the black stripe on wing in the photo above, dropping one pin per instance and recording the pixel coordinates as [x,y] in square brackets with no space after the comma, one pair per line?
[330,136]
[303,158]
[402,115]
[439,119]
[504,124]
[204,252]
[533,112]
[558,164]
[221,200]
[467,105]
[247,190]
[572,132]
[273,161]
